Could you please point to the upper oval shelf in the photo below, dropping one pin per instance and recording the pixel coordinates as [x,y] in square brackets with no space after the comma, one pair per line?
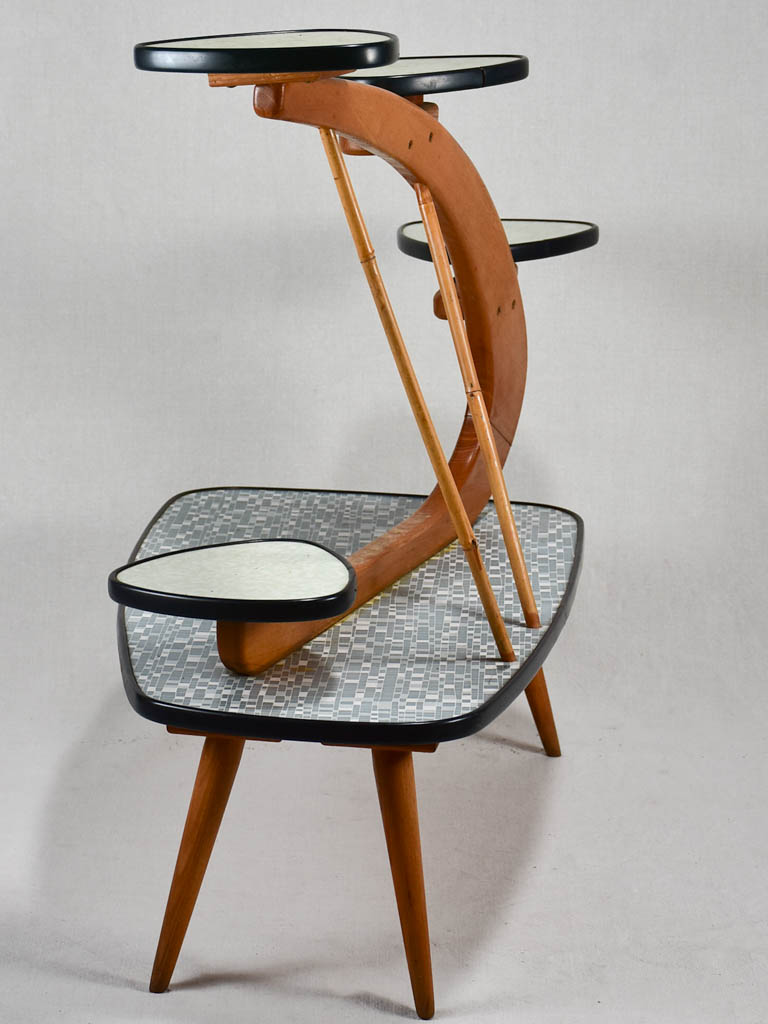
[255,53]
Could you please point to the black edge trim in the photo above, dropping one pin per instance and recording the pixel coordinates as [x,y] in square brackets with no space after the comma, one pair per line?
[151,56]
[376,733]
[541,249]
[512,68]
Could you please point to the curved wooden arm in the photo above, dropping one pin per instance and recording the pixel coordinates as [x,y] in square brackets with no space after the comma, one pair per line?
[421,150]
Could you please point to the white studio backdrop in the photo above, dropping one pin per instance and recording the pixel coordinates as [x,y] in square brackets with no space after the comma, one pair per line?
[182,307]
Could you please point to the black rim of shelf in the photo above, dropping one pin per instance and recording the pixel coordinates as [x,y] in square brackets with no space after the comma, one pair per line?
[512,67]
[153,56]
[537,249]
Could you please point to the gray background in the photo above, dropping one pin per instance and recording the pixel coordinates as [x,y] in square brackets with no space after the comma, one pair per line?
[182,307]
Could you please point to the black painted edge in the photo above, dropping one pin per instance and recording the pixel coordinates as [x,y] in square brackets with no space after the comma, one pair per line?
[542,249]
[514,67]
[151,56]
[232,610]
[374,733]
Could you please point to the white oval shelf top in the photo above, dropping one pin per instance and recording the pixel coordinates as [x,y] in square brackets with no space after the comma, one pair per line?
[271,40]
[250,581]
[277,570]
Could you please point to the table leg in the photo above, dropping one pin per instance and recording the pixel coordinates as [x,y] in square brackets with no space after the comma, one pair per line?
[219,762]
[399,813]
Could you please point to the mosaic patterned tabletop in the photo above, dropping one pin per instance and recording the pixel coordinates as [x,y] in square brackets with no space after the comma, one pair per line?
[420,652]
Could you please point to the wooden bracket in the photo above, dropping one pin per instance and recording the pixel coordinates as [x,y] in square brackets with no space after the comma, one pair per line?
[270,78]
[350,148]
[429,108]
[175,731]
[438,306]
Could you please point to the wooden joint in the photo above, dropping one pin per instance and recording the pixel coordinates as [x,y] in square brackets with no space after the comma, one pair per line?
[350,148]
[438,306]
[246,648]
[429,108]
[268,100]
[269,78]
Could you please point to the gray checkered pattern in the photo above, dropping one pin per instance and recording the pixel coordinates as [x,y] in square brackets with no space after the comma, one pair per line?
[421,651]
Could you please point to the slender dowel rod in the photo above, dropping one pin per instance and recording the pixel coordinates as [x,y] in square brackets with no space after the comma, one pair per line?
[448,488]
[476,401]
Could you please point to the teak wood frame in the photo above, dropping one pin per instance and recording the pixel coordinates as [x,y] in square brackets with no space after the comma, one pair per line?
[445,481]
[486,278]
[422,151]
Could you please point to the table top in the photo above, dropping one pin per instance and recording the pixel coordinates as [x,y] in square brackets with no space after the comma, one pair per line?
[528,239]
[417,664]
[274,580]
[417,76]
[270,52]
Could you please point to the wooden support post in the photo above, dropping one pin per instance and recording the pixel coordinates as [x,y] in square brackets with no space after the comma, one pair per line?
[476,403]
[445,479]
[219,762]
[399,813]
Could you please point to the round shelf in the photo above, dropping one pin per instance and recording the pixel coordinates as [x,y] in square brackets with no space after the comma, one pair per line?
[528,239]
[417,76]
[256,53]
[247,581]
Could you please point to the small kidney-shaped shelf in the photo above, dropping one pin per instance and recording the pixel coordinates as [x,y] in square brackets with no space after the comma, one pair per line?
[246,581]
[417,76]
[528,239]
[270,52]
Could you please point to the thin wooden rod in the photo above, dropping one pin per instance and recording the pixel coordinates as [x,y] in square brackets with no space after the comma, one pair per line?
[447,484]
[476,401]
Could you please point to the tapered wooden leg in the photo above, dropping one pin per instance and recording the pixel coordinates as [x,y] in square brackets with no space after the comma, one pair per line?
[219,762]
[397,798]
[538,701]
